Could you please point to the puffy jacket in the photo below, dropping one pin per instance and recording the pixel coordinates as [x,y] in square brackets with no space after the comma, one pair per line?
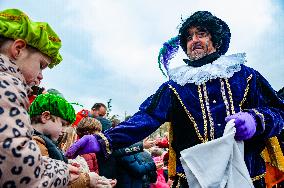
[134,172]
[92,162]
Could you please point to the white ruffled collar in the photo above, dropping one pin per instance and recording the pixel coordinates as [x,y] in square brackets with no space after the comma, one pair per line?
[223,67]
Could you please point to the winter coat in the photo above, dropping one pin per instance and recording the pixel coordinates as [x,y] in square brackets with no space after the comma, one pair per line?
[48,148]
[92,162]
[108,166]
[21,162]
[133,171]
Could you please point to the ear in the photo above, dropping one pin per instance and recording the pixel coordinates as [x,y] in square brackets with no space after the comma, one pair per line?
[17,48]
[45,116]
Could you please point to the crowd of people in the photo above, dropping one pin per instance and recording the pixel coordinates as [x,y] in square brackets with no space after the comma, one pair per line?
[45,143]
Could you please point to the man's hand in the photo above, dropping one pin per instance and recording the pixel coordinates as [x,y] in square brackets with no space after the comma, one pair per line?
[148,143]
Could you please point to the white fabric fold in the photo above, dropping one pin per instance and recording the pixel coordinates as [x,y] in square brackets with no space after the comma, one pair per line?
[218,163]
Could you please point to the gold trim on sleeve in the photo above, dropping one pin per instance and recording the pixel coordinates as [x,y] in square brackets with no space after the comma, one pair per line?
[106,142]
[258,177]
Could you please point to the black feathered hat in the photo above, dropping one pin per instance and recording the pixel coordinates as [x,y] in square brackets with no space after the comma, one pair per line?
[218,29]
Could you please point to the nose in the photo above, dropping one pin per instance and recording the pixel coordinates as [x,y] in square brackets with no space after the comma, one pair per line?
[39,78]
[195,38]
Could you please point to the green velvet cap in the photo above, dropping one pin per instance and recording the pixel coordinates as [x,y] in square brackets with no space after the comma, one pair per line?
[55,104]
[15,24]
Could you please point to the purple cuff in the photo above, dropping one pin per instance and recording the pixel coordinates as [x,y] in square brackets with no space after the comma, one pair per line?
[259,119]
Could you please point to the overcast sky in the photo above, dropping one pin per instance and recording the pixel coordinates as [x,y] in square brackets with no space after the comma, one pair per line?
[110,47]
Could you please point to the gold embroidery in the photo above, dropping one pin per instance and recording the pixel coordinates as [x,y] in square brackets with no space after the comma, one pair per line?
[181,175]
[272,153]
[178,184]
[225,98]
[246,92]
[258,177]
[230,96]
[54,39]
[203,113]
[106,142]
[188,114]
[260,115]
[172,154]
[211,123]
[10,16]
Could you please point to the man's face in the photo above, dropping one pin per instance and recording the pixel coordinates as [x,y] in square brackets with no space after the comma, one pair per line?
[31,63]
[102,111]
[94,113]
[199,43]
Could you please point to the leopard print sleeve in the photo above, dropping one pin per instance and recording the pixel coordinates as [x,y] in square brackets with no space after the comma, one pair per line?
[21,163]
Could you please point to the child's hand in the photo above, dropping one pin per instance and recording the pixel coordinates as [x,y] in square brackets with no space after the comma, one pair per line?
[113,182]
[94,177]
[97,181]
[74,172]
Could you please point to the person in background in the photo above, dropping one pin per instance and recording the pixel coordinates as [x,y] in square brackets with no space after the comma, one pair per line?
[49,114]
[89,126]
[137,170]
[101,109]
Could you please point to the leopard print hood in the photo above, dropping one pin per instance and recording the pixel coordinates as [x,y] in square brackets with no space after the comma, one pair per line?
[21,162]
[9,67]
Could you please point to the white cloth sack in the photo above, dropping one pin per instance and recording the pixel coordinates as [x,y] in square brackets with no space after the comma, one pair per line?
[218,163]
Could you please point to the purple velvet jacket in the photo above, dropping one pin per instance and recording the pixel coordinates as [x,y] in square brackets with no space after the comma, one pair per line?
[190,107]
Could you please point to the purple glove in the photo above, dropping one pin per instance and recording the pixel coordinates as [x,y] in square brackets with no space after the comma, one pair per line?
[245,125]
[86,144]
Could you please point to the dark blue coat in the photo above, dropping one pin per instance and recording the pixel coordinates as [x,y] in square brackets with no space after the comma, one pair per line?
[136,171]
[190,107]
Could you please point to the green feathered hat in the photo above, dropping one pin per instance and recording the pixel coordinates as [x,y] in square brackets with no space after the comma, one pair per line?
[15,24]
[55,104]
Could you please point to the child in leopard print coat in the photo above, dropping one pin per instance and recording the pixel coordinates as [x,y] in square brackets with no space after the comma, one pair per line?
[26,48]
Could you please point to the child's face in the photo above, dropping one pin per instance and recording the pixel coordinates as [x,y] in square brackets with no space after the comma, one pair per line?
[54,127]
[31,64]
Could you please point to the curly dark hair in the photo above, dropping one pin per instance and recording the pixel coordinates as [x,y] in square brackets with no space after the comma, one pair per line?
[204,20]
[281,93]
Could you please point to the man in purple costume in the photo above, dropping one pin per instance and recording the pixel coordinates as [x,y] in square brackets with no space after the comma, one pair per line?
[199,98]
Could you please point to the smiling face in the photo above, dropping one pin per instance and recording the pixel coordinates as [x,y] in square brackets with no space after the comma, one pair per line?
[199,43]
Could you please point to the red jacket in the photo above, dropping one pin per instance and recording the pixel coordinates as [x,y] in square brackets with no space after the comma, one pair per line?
[80,115]
[164,143]
[92,162]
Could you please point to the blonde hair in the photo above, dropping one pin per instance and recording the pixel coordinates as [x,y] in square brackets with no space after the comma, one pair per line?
[67,139]
[87,126]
